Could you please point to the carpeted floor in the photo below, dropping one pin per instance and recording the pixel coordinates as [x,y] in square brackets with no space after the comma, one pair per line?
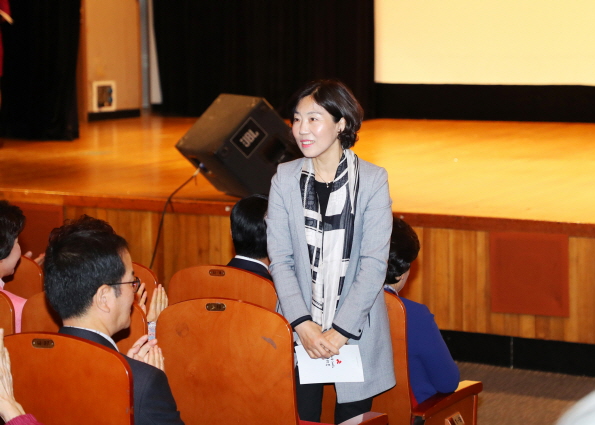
[517,396]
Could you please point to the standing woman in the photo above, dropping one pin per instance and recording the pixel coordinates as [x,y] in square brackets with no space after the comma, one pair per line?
[328,225]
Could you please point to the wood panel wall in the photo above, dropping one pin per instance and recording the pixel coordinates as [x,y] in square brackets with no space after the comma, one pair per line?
[186,239]
[451,275]
[452,278]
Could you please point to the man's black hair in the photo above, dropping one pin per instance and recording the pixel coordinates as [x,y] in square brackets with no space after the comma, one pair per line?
[404,247]
[248,228]
[81,256]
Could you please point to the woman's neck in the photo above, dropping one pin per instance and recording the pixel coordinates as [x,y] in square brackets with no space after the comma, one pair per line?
[326,164]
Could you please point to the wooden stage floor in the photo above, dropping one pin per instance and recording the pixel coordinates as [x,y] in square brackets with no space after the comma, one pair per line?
[506,170]
[459,183]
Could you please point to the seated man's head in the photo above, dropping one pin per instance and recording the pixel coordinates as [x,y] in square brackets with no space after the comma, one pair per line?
[404,247]
[12,221]
[89,279]
[248,228]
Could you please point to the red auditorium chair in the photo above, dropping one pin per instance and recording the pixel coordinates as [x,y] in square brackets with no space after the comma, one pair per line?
[396,402]
[7,321]
[221,282]
[39,316]
[148,277]
[67,380]
[231,362]
[27,279]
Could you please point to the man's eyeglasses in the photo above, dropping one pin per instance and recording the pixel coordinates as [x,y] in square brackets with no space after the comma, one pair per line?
[135,284]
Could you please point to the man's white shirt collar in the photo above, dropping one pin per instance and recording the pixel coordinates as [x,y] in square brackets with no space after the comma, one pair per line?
[109,338]
[241,257]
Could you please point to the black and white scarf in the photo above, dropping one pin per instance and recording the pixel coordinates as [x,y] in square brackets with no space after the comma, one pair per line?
[329,244]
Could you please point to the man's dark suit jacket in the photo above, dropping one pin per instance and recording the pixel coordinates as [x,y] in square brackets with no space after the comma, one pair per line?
[153,401]
[250,266]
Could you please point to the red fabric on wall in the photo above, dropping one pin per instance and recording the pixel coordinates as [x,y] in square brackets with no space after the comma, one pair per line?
[529,273]
[4,14]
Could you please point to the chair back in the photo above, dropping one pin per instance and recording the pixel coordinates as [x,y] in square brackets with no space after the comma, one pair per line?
[221,282]
[138,327]
[27,279]
[396,402]
[63,380]
[229,361]
[39,316]
[148,277]
[6,314]
[459,406]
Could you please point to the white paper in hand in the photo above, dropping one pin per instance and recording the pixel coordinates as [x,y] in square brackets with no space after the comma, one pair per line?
[346,367]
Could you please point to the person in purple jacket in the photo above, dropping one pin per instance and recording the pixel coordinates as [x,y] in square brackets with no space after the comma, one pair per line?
[431,367]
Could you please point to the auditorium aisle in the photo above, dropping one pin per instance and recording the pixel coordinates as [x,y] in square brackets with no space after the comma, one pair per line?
[517,396]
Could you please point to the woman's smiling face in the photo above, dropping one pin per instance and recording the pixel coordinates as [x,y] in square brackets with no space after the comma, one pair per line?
[315,130]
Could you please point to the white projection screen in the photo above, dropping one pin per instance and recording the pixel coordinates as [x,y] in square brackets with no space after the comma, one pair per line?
[513,42]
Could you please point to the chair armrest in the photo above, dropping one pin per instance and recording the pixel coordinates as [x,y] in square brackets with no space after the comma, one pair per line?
[369,418]
[439,401]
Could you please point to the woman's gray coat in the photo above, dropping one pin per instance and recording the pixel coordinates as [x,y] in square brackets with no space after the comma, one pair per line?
[361,310]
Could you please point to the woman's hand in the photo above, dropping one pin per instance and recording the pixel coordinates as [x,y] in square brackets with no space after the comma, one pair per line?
[314,341]
[140,350]
[335,338]
[141,297]
[39,260]
[159,302]
[147,352]
[155,358]
[9,408]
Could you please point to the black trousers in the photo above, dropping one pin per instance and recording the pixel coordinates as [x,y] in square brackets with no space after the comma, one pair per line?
[309,403]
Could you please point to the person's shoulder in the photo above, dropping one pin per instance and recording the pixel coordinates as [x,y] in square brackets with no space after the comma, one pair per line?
[413,307]
[370,168]
[371,176]
[290,167]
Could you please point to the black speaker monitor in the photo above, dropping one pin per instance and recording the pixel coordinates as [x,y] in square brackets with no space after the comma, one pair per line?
[237,143]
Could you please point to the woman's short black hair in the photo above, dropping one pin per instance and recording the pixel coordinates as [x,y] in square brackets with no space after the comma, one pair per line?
[12,221]
[404,247]
[248,228]
[336,98]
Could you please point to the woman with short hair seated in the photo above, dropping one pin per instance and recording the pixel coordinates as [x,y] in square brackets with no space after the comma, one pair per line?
[431,367]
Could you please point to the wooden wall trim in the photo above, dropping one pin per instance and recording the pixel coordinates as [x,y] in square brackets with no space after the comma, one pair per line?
[181,206]
[451,275]
[198,206]
[494,224]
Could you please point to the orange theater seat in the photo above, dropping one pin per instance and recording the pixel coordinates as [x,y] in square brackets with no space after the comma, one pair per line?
[231,362]
[67,380]
[6,314]
[39,316]
[397,403]
[221,282]
[27,279]
[148,277]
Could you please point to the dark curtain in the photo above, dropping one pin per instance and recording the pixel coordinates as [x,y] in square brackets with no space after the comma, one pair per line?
[266,48]
[39,81]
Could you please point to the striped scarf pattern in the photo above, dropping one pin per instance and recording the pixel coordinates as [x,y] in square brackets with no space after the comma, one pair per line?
[329,240]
